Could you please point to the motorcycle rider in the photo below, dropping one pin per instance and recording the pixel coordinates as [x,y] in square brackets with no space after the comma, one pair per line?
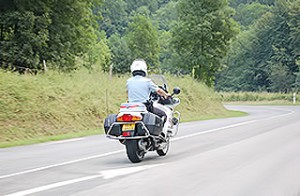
[139,87]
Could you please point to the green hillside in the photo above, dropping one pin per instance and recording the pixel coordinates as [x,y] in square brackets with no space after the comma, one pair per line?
[55,105]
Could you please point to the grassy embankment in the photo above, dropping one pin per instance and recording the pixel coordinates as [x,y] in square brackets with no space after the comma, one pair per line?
[259,98]
[55,106]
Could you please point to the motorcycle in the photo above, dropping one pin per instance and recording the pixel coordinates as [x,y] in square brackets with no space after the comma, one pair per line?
[140,130]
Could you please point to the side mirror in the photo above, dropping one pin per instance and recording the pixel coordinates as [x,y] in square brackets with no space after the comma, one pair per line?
[176,91]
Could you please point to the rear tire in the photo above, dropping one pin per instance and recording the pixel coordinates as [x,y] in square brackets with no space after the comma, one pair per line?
[134,153]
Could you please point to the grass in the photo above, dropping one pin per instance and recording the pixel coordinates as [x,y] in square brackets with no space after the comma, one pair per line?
[46,138]
[34,140]
[55,106]
[227,114]
[258,98]
[262,103]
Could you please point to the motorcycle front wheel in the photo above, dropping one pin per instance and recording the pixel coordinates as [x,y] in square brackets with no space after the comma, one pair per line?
[165,149]
[134,153]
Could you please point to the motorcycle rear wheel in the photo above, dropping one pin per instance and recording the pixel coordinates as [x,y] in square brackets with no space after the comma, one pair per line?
[134,153]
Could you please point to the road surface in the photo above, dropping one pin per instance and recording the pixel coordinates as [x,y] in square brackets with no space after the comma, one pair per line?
[257,155]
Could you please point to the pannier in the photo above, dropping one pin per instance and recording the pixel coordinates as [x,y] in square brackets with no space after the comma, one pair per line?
[153,123]
[116,129]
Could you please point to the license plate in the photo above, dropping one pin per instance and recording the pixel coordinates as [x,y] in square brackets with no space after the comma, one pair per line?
[128,127]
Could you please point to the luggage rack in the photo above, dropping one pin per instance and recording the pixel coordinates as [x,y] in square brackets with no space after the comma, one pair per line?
[147,132]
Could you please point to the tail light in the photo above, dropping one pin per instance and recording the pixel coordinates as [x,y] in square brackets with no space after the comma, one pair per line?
[126,133]
[129,118]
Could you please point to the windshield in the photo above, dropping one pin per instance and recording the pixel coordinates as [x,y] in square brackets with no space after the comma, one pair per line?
[159,80]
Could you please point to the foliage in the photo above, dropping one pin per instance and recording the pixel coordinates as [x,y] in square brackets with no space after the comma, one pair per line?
[178,36]
[142,40]
[166,16]
[151,5]
[202,36]
[246,71]
[264,58]
[45,106]
[121,57]
[118,19]
[114,17]
[55,31]
[236,3]
[247,14]
[24,34]
[264,97]
[98,55]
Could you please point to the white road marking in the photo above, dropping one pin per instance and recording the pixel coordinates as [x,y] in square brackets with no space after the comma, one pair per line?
[234,125]
[61,164]
[119,151]
[106,174]
[62,141]
[55,185]
[282,115]
[213,130]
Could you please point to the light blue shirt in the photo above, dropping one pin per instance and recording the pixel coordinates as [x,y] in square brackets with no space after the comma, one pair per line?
[139,88]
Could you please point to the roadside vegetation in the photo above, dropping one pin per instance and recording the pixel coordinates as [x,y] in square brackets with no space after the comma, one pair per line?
[265,54]
[227,45]
[259,98]
[55,105]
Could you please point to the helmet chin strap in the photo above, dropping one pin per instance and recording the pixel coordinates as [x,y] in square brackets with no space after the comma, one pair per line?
[139,73]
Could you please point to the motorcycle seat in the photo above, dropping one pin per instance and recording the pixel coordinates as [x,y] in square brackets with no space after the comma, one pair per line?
[133,107]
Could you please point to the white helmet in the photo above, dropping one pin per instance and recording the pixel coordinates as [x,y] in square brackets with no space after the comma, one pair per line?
[139,65]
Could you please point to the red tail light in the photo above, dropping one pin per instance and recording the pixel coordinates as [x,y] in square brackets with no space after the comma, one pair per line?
[129,118]
[126,133]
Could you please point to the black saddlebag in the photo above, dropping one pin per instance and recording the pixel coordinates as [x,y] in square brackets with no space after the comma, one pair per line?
[153,123]
[116,129]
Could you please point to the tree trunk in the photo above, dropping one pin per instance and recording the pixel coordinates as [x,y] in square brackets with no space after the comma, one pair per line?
[1,39]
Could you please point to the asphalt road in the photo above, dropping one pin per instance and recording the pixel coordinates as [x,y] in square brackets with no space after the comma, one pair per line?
[257,155]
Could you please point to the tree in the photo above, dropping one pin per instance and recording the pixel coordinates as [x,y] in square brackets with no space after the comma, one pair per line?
[71,31]
[294,34]
[296,85]
[133,5]
[166,16]
[272,53]
[114,17]
[285,48]
[24,33]
[121,57]
[98,55]
[55,31]
[142,40]
[202,36]
[247,59]
[236,3]
[247,14]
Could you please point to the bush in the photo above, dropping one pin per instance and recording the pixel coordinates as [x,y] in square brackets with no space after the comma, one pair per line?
[256,96]
[54,104]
